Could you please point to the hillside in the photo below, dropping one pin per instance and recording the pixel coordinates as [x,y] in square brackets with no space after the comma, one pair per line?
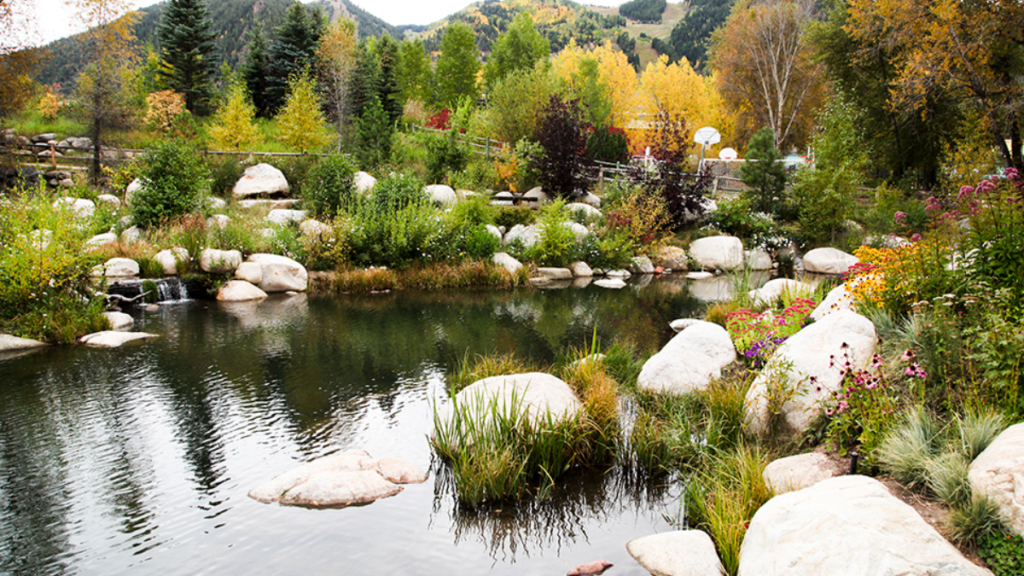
[232,19]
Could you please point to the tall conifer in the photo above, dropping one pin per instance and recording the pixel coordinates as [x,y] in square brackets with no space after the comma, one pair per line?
[187,52]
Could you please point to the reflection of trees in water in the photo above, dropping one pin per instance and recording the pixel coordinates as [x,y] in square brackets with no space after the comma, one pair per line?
[583,501]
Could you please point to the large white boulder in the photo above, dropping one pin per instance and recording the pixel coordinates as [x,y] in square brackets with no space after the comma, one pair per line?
[114,339]
[132,188]
[528,235]
[758,259]
[131,235]
[441,194]
[828,261]
[536,197]
[800,471]
[494,231]
[641,265]
[555,273]
[120,268]
[534,396]
[507,262]
[364,182]
[846,526]
[581,270]
[586,210]
[219,261]
[251,272]
[168,259]
[281,216]
[774,289]
[80,207]
[689,361]
[718,252]
[839,298]
[809,366]
[119,321]
[672,258]
[239,291]
[998,473]
[678,553]
[280,273]
[101,239]
[260,179]
[109,201]
[9,343]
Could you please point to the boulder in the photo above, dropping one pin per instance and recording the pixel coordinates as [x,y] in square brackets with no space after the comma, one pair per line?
[618,274]
[315,229]
[120,268]
[239,291]
[119,321]
[132,188]
[800,471]
[280,273]
[689,361]
[682,324]
[219,261]
[507,262]
[536,197]
[251,272]
[611,283]
[590,568]
[399,471]
[218,221]
[113,339]
[587,210]
[215,203]
[846,526]
[537,397]
[109,201]
[364,182]
[679,553]
[555,273]
[579,230]
[774,289]
[504,196]
[441,194]
[526,234]
[350,460]
[641,265]
[281,217]
[998,473]
[828,261]
[131,235]
[809,365]
[101,239]
[580,270]
[260,179]
[169,259]
[340,488]
[758,259]
[718,252]
[269,203]
[80,207]
[672,258]
[591,200]
[839,298]
[494,231]
[10,343]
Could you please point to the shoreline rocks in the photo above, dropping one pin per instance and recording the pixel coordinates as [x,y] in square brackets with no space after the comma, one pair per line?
[690,360]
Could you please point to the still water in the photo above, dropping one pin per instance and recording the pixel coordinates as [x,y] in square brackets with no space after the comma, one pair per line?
[138,460]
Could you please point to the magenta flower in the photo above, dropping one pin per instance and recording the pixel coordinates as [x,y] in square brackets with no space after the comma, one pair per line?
[908,355]
[965,191]
[900,216]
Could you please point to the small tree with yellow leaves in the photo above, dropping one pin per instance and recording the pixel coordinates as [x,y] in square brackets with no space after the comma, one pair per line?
[302,123]
[233,128]
[49,105]
[163,107]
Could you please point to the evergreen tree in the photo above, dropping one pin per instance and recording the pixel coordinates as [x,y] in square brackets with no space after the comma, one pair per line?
[373,136]
[457,66]
[365,85]
[763,174]
[387,86]
[518,49]
[294,50]
[256,71]
[187,52]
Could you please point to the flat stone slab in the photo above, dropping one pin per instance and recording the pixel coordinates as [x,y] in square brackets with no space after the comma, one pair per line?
[611,283]
[555,273]
[680,553]
[348,478]
[10,343]
[119,321]
[113,339]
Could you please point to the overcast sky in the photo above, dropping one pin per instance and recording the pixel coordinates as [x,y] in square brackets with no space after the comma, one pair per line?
[55,18]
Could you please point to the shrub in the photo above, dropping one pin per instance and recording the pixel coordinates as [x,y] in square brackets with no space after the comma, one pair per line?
[175,182]
[1002,550]
[823,200]
[330,187]
[555,239]
[164,107]
[763,174]
[561,132]
[682,192]
[445,155]
[608,145]
[509,216]
[225,174]
[642,216]
[481,244]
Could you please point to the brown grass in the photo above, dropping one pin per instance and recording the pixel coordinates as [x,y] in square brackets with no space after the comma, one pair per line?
[429,277]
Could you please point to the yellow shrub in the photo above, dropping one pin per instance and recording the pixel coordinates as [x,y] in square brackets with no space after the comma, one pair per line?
[163,107]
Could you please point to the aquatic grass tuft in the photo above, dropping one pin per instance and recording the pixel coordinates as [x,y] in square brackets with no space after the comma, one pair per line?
[470,369]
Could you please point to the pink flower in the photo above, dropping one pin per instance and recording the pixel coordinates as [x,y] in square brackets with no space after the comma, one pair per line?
[965,191]
[915,238]
[843,406]
[908,355]
[899,216]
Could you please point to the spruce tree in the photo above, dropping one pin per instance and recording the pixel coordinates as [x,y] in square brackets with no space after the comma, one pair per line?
[365,86]
[255,73]
[294,50]
[387,86]
[187,52]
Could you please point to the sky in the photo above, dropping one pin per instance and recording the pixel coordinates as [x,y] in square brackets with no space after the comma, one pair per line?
[55,20]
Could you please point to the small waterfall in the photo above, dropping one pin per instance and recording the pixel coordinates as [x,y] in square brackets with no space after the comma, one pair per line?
[170,289]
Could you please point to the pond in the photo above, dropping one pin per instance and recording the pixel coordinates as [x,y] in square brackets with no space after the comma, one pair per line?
[138,460]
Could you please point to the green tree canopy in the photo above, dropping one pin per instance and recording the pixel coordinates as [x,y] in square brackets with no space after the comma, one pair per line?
[256,72]
[520,48]
[413,71]
[458,65]
[386,51]
[294,50]
[187,53]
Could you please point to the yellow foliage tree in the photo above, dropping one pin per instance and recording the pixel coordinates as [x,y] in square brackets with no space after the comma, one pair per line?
[233,128]
[302,124]
[49,105]
[336,60]
[679,90]
[163,107]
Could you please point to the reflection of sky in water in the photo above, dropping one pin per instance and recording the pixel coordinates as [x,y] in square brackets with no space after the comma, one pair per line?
[139,459]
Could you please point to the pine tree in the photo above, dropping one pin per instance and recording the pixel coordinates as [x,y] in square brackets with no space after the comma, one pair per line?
[365,80]
[256,72]
[188,55]
[294,50]
[387,87]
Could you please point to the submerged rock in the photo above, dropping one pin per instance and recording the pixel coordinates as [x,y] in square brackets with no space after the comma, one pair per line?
[239,291]
[611,283]
[679,553]
[846,526]
[340,488]
[590,568]
[689,361]
[112,339]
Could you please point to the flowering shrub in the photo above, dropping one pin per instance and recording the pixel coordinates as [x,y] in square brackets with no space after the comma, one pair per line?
[991,218]
[757,335]
[895,278]
[441,120]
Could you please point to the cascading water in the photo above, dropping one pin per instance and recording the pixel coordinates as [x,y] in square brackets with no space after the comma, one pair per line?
[159,290]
